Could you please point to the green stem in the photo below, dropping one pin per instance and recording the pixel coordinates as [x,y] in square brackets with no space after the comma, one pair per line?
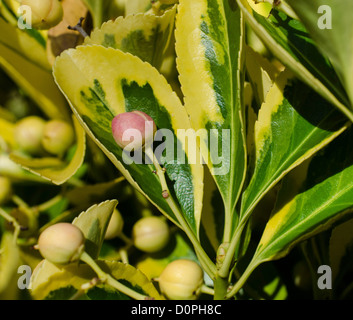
[225,268]
[125,238]
[19,202]
[244,277]
[7,14]
[14,222]
[207,290]
[227,233]
[205,261]
[124,256]
[48,204]
[220,288]
[108,279]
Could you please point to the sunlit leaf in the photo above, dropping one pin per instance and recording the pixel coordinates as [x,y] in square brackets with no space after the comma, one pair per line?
[325,196]
[293,124]
[330,25]
[290,42]
[146,36]
[209,40]
[93,223]
[102,82]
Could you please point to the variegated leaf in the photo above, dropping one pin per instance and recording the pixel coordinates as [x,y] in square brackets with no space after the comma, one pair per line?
[324,197]
[289,41]
[330,25]
[146,36]
[35,81]
[293,124]
[261,73]
[30,43]
[93,223]
[48,278]
[10,261]
[102,82]
[209,40]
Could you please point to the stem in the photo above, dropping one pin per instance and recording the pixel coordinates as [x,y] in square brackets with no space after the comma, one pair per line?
[98,15]
[207,290]
[13,221]
[19,202]
[85,287]
[227,226]
[124,256]
[46,205]
[240,283]
[205,261]
[220,288]
[78,27]
[125,238]
[224,269]
[108,279]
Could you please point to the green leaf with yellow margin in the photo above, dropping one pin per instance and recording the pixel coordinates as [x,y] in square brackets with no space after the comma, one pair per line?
[289,41]
[14,171]
[32,77]
[334,36]
[22,43]
[10,260]
[48,278]
[93,223]
[209,41]
[293,124]
[261,73]
[309,205]
[146,36]
[100,83]
[54,169]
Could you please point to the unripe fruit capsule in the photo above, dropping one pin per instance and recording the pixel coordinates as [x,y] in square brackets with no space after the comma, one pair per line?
[150,234]
[61,243]
[58,136]
[29,133]
[133,130]
[45,13]
[115,226]
[181,280]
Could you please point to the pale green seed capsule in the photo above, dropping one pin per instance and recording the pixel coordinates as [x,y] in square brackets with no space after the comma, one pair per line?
[58,136]
[28,135]
[61,243]
[150,234]
[115,226]
[181,280]
[45,14]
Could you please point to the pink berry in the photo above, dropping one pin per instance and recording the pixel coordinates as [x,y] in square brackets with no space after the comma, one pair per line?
[133,130]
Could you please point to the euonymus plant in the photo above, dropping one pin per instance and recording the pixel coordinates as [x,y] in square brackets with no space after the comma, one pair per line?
[175,149]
